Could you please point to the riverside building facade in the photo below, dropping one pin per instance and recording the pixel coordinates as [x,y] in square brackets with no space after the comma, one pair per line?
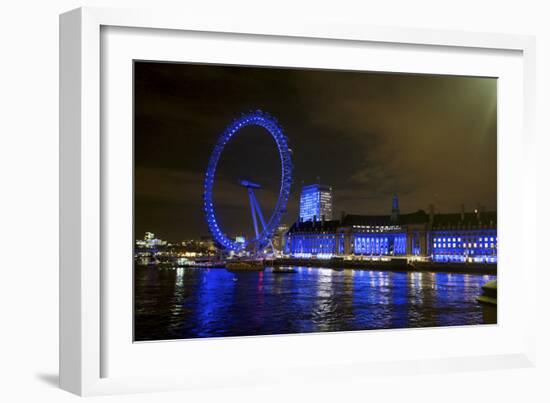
[454,238]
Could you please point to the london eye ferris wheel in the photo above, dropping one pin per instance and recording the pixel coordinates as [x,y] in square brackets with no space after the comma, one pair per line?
[265,228]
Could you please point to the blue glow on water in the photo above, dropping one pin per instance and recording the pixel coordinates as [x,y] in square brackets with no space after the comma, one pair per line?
[193,303]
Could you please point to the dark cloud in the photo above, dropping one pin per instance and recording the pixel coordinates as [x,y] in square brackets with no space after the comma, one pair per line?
[430,139]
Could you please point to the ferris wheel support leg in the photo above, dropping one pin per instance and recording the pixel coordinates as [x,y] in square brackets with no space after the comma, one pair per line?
[253,209]
[262,220]
[259,211]
[256,207]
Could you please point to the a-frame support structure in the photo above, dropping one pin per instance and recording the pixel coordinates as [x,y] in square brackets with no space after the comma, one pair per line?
[256,210]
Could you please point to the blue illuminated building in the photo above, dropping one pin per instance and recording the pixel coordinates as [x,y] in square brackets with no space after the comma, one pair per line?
[464,237]
[447,238]
[316,203]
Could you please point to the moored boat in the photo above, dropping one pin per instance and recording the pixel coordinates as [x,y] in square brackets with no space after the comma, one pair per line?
[488,301]
[209,265]
[245,265]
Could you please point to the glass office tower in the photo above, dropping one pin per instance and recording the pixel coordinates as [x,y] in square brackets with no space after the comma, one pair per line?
[316,203]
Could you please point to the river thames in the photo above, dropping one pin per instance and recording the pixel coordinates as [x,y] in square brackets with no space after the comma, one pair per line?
[181,303]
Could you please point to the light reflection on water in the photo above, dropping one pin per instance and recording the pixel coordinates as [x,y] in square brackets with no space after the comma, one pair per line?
[190,303]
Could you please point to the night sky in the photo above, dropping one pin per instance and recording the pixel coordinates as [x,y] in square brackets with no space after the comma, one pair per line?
[429,139]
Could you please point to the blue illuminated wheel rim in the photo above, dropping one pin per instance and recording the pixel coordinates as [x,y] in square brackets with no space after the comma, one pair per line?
[269,123]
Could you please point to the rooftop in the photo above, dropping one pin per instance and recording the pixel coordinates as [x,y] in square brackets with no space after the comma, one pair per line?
[440,221]
[465,220]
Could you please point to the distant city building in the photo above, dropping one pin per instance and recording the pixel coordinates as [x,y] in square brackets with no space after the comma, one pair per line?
[208,242]
[316,203]
[150,241]
[456,237]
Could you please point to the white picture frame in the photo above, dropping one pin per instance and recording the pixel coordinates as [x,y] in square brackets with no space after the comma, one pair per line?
[85,344]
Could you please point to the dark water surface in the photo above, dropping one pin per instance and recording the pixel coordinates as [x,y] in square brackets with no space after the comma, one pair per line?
[184,303]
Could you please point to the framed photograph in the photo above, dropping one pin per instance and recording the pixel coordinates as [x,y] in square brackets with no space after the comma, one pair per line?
[276,191]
